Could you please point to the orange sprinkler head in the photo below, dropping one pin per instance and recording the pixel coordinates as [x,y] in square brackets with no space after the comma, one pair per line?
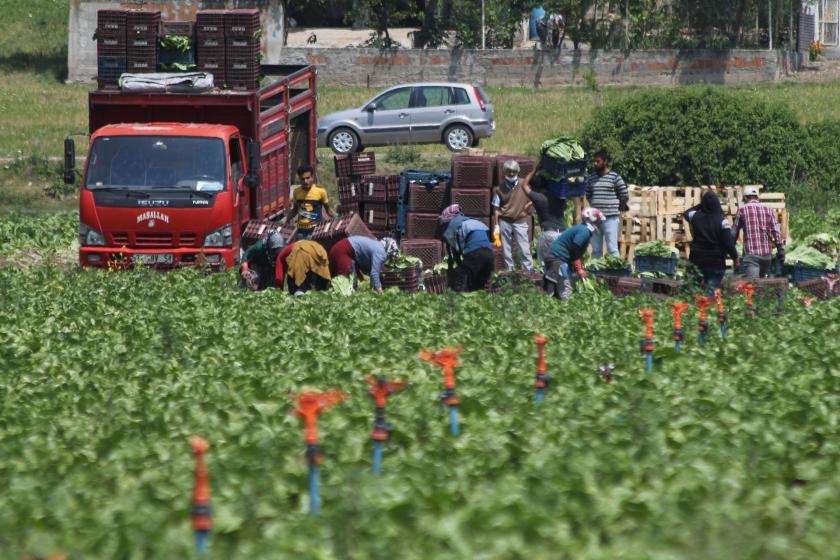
[447,359]
[381,389]
[719,299]
[748,289]
[201,519]
[678,307]
[541,342]
[703,303]
[647,317]
[310,405]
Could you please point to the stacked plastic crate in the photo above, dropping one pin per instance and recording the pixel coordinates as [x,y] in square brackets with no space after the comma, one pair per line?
[110,47]
[425,201]
[360,190]
[242,39]
[142,38]
[210,48]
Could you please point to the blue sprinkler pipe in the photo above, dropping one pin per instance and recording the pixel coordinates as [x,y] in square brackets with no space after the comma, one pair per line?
[314,489]
[201,539]
[539,396]
[377,457]
[648,360]
[453,419]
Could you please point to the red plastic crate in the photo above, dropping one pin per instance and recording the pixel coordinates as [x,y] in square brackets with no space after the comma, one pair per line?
[143,23]
[427,198]
[375,214]
[348,191]
[177,28]
[498,259]
[141,67]
[374,188]
[242,22]
[214,42]
[363,163]
[248,45]
[435,283]
[421,226]
[472,171]
[473,202]
[210,23]
[429,251]
[406,279]
[343,166]
[823,288]
[111,21]
[526,165]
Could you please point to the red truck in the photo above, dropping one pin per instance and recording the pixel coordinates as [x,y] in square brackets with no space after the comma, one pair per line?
[173,179]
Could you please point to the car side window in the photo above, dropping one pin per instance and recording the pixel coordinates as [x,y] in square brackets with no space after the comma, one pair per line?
[397,99]
[235,160]
[461,97]
[433,96]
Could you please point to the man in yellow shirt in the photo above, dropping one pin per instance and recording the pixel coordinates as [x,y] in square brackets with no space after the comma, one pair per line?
[310,203]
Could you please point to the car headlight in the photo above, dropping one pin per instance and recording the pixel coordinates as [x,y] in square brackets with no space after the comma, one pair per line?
[89,236]
[222,237]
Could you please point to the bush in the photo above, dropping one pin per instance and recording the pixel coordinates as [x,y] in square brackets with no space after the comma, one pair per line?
[697,136]
[820,156]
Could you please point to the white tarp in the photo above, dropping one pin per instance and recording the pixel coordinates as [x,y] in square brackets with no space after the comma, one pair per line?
[171,82]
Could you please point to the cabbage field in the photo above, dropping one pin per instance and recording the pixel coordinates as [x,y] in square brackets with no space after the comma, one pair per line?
[727,450]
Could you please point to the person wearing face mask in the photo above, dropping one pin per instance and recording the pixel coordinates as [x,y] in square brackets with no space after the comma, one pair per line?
[511,210]
[569,249]
[608,193]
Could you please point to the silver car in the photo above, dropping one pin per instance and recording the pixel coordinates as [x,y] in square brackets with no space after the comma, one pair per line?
[453,114]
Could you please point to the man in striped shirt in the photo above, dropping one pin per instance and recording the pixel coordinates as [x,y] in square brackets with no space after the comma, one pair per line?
[760,227]
[608,193]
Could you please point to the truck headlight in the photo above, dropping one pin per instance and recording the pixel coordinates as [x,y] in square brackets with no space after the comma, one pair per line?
[89,236]
[222,237]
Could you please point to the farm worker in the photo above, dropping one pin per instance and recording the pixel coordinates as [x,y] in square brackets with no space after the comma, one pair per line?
[568,249]
[468,245]
[259,260]
[551,211]
[760,228]
[311,203]
[304,265]
[608,193]
[711,240]
[362,255]
[511,217]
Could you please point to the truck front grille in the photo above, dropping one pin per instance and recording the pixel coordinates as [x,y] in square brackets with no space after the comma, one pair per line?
[120,239]
[186,240]
[153,240]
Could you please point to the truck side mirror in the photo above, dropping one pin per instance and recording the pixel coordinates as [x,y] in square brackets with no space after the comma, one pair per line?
[69,161]
[252,149]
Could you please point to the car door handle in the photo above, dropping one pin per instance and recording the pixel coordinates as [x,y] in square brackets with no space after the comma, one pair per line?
[403,115]
[449,111]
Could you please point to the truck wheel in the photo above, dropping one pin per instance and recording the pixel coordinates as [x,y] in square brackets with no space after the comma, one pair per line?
[343,141]
[458,137]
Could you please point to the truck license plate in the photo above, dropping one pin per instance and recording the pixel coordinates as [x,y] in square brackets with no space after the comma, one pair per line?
[152,258]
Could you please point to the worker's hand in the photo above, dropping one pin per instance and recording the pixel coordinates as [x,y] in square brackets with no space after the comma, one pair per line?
[378,290]
[780,255]
[497,236]
[581,272]
[243,268]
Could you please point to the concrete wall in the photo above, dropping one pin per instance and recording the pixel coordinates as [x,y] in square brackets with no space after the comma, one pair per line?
[533,68]
[81,52]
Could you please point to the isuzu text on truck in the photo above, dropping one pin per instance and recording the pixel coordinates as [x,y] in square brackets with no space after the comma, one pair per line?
[172,179]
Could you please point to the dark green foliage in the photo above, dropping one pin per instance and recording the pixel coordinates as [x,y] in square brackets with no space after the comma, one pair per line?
[697,136]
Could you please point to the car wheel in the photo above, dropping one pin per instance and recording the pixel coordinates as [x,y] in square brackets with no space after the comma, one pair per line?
[343,141]
[458,138]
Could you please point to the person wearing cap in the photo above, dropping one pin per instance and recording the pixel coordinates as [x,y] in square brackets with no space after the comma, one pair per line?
[258,262]
[467,245]
[362,255]
[569,249]
[760,228]
[303,266]
[511,217]
[711,240]
[608,193]
[551,211]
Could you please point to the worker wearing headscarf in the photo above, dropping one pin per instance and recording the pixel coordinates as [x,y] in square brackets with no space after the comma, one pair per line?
[469,247]
[258,262]
[569,249]
[362,255]
[304,265]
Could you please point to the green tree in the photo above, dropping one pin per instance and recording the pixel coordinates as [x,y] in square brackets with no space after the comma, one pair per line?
[502,19]
[381,15]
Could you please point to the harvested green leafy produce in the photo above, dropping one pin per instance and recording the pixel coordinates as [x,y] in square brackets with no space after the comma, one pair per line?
[343,285]
[564,148]
[403,261]
[825,243]
[175,43]
[810,257]
[609,262]
[655,249]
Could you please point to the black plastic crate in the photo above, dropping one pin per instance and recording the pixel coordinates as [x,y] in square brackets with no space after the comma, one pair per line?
[562,168]
[143,23]
[110,68]
[173,56]
[243,44]
[800,273]
[242,22]
[649,263]
[111,22]
[141,66]
[215,42]
[177,28]
[142,42]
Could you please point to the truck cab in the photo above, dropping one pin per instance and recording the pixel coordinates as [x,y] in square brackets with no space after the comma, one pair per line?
[173,179]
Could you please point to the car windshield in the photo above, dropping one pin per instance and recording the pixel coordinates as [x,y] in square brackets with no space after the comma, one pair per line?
[156,162]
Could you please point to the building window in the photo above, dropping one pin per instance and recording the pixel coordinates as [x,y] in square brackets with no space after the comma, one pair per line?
[828,22]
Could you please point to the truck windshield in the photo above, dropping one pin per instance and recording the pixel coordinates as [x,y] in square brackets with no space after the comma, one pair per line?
[157,162]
